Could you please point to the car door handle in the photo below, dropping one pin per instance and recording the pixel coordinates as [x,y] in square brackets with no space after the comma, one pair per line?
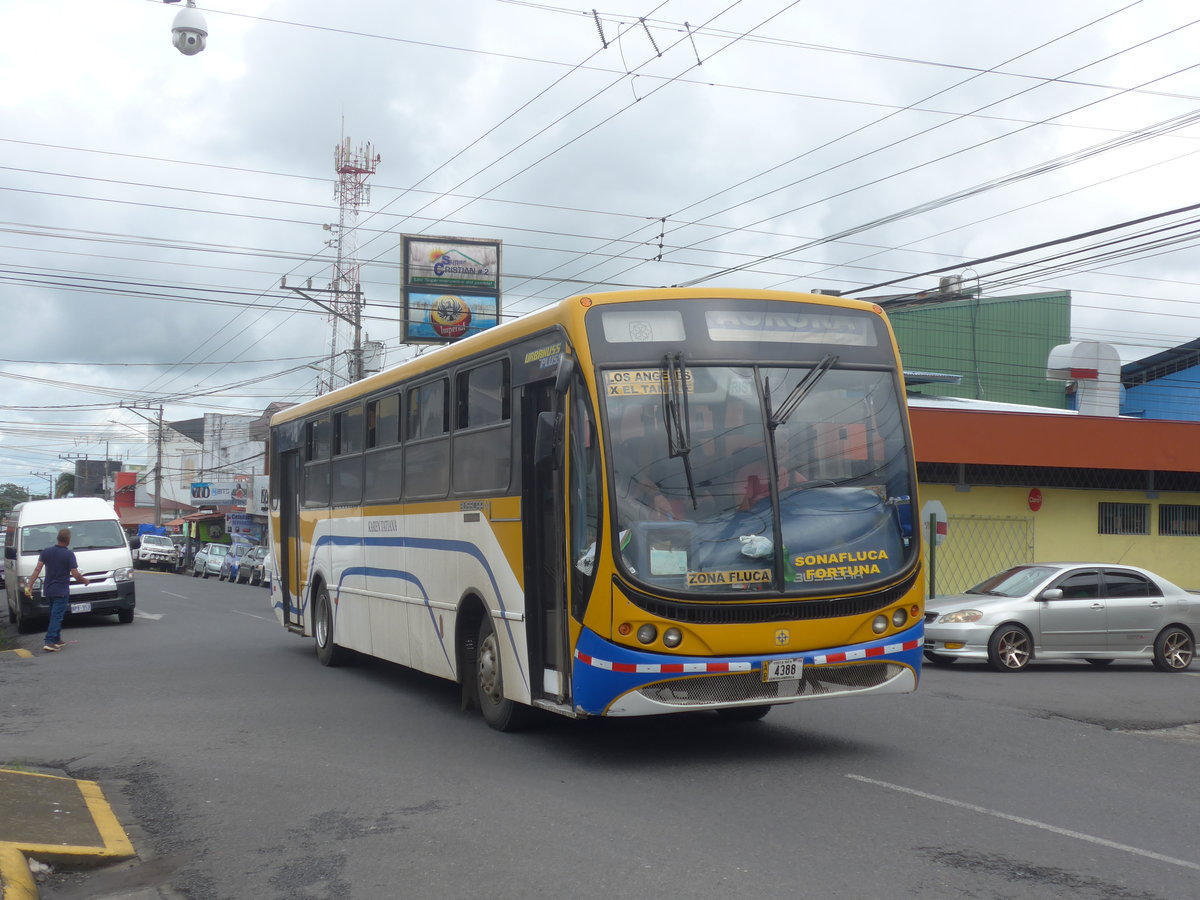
[1097,606]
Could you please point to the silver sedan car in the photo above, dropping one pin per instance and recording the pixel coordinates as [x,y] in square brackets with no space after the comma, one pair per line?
[1058,611]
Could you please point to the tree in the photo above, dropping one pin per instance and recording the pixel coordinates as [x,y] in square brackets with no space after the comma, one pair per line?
[10,495]
[64,484]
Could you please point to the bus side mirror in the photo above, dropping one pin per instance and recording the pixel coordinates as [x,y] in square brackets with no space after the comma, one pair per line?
[547,440]
[564,373]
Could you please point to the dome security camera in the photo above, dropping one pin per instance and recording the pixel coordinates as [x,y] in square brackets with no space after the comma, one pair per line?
[189,31]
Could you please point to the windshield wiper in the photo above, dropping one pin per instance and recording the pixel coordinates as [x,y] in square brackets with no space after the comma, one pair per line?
[679,421]
[797,394]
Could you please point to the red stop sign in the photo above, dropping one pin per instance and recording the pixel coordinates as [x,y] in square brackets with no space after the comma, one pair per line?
[1035,499]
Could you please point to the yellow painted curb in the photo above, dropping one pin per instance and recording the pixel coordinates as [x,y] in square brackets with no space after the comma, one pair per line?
[116,843]
[15,877]
[23,654]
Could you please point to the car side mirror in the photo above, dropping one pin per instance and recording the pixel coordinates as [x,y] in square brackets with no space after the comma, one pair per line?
[1051,594]
[10,552]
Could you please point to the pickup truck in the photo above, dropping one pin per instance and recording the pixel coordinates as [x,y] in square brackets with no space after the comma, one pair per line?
[157,551]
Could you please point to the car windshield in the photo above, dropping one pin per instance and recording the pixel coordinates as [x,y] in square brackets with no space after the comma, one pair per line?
[156,540]
[218,550]
[103,534]
[1015,582]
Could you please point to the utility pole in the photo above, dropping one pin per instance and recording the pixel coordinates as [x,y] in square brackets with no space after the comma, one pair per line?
[158,456]
[49,476]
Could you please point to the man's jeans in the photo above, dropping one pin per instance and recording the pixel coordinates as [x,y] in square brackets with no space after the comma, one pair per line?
[58,609]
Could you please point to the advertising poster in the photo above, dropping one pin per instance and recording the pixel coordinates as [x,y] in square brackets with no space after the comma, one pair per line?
[450,287]
[438,318]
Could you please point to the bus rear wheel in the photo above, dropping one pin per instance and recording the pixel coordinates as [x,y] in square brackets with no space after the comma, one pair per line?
[328,653]
[498,711]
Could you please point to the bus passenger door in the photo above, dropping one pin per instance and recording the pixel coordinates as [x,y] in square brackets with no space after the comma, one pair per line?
[289,539]
[542,517]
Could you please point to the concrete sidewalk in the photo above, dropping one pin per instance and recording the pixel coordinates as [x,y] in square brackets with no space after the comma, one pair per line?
[53,819]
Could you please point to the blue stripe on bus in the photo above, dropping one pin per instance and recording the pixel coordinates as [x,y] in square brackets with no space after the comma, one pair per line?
[411,579]
[448,546]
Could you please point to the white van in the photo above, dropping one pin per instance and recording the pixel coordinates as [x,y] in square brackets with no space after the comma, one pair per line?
[100,548]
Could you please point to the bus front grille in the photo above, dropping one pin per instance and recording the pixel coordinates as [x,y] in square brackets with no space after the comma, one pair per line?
[740,687]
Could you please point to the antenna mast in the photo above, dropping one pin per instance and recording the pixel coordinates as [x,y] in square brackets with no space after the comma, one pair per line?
[354,167]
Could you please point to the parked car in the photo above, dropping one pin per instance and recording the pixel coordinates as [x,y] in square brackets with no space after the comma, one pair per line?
[208,560]
[1059,611]
[234,562]
[156,550]
[253,566]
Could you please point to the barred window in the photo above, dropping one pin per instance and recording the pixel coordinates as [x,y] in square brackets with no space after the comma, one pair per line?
[1178,520]
[1124,518]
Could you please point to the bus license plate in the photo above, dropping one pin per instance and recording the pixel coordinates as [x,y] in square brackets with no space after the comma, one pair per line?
[84,606]
[782,669]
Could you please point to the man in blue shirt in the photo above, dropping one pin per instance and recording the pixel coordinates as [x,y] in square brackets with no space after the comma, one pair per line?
[61,567]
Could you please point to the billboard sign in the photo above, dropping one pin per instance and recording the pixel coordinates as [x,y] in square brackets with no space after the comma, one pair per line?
[451,287]
[225,493]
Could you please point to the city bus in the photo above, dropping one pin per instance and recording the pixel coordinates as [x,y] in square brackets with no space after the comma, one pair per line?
[623,504]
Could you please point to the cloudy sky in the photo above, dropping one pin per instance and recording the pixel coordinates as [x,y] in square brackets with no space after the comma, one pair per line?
[153,201]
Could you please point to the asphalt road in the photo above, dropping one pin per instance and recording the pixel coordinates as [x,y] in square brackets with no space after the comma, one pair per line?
[244,769]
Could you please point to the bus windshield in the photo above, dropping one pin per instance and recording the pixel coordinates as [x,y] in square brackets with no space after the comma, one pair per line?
[730,479]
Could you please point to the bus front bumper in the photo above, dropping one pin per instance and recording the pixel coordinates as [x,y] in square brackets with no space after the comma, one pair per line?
[612,680]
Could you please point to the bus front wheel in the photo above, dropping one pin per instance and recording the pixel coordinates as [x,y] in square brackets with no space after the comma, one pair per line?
[329,653]
[500,713]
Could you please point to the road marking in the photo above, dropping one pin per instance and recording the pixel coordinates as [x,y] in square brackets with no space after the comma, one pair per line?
[180,596]
[251,615]
[1065,832]
[146,615]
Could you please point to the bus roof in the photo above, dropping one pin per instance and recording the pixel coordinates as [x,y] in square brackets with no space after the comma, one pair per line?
[552,314]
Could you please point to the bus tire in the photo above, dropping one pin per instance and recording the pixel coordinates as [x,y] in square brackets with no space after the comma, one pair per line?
[328,653]
[498,711]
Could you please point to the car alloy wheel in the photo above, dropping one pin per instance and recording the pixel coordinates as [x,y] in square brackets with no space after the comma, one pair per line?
[1010,648]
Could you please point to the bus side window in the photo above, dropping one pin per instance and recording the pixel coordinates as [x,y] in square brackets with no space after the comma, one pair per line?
[346,473]
[483,435]
[318,444]
[427,450]
[382,462]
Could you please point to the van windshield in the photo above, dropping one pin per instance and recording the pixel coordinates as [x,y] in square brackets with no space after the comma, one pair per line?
[103,534]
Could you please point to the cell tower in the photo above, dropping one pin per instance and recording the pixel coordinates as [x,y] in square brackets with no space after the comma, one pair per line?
[352,192]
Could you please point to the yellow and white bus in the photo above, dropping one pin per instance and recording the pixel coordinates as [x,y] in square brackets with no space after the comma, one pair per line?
[624,504]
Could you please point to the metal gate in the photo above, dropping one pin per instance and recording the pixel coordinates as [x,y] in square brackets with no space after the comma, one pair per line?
[978,546]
